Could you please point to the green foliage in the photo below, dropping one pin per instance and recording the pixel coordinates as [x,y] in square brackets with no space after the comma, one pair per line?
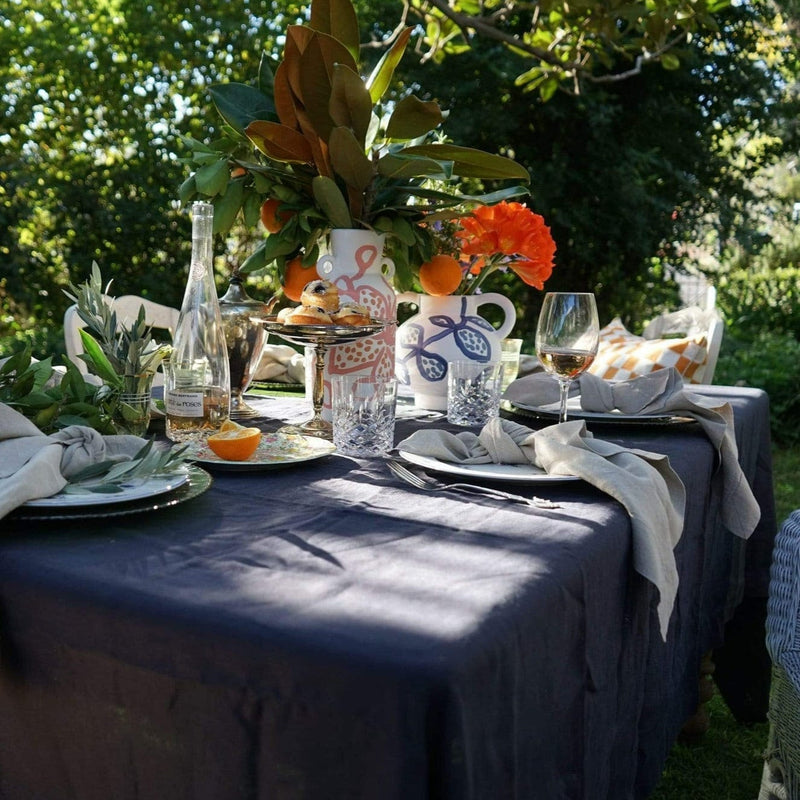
[52,402]
[786,480]
[325,142]
[110,477]
[123,357]
[617,41]
[769,360]
[94,99]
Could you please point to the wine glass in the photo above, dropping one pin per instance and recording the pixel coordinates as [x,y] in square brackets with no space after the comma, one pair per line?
[567,336]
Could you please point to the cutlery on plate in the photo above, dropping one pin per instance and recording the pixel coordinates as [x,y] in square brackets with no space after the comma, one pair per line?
[421,480]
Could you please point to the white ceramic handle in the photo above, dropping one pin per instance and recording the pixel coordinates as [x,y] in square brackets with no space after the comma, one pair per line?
[387,268]
[495,299]
[408,297]
[324,265]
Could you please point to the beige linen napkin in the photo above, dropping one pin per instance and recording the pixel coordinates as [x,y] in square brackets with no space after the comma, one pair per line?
[33,465]
[279,362]
[537,389]
[643,482]
[664,392]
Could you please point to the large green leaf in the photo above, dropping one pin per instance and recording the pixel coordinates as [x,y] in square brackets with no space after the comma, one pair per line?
[255,261]
[330,199]
[412,118]
[338,19]
[381,77]
[96,357]
[279,141]
[212,179]
[239,104]
[398,165]
[349,160]
[227,207]
[350,103]
[471,163]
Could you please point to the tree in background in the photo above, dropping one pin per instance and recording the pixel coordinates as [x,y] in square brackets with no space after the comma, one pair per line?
[566,45]
[96,95]
[627,171]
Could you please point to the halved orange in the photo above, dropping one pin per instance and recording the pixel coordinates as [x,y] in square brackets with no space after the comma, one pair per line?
[234,442]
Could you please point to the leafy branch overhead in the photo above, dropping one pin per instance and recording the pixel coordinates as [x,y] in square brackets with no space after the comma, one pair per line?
[336,150]
[569,43]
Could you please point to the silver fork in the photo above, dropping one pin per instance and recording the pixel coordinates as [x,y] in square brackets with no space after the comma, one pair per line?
[421,480]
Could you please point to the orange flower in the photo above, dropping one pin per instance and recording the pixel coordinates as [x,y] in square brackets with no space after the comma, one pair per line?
[507,235]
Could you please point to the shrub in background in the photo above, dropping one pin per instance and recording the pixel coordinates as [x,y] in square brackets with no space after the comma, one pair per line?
[769,361]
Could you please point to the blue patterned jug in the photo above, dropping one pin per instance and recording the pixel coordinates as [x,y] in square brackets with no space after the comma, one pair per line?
[446,329]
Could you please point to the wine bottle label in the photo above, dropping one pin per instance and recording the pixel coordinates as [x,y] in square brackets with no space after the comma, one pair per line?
[184,404]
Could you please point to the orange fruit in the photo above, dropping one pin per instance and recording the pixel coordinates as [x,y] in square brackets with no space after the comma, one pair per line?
[234,442]
[270,218]
[296,276]
[440,276]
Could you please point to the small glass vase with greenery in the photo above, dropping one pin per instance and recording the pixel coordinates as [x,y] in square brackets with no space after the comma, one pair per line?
[124,357]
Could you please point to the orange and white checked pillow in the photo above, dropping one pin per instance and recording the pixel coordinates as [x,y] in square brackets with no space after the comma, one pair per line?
[622,355]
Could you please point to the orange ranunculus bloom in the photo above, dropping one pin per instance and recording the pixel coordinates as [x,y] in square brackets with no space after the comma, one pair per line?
[508,234]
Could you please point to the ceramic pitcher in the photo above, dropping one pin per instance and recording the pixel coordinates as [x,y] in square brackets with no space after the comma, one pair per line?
[357,266]
[446,329]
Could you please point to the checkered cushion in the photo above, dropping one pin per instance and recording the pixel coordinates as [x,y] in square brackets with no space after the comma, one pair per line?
[623,355]
[616,332]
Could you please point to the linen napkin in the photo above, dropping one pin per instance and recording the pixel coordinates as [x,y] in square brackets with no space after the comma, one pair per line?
[33,465]
[279,362]
[537,389]
[661,392]
[643,482]
[664,391]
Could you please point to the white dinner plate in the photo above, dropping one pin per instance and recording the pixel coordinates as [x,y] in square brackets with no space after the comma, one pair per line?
[148,487]
[274,451]
[198,481]
[574,411]
[512,473]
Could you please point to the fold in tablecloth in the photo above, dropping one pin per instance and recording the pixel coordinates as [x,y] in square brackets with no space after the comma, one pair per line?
[663,392]
[643,482]
[33,465]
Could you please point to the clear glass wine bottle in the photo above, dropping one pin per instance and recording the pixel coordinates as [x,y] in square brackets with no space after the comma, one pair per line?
[197,386]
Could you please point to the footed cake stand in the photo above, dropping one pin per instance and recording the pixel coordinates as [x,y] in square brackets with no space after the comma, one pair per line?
[320,337]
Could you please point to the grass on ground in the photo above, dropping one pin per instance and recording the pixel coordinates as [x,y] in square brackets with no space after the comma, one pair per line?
[727,763]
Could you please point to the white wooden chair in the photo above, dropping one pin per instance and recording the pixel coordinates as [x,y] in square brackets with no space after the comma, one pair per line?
[700,317]
[159,317]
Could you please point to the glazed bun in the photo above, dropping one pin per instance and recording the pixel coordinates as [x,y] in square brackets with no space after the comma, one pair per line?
[351,314]
[308,315]
[320,294]
[283,313]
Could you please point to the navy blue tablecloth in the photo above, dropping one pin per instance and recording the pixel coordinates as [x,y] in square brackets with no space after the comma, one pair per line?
[324,632]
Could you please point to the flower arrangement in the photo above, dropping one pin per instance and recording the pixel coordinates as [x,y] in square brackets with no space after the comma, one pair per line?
[503,236]
[317,147]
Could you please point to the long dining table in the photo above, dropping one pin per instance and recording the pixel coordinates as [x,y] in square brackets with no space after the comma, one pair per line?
[324,631]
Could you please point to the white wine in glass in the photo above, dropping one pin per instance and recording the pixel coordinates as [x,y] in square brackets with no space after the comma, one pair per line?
[567,336]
